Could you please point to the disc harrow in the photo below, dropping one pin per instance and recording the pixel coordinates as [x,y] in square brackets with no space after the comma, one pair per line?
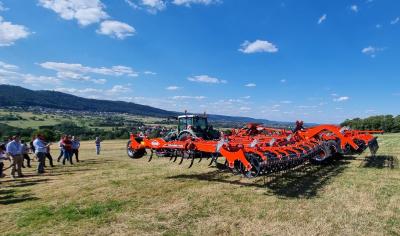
[257,150]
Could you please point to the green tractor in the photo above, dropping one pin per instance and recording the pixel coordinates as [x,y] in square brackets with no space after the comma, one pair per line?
[193,126]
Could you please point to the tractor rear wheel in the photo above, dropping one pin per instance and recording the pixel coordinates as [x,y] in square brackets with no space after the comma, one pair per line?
[185,135]
[134,154]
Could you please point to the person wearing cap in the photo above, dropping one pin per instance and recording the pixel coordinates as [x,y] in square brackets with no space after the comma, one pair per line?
[40,151]
[14,151]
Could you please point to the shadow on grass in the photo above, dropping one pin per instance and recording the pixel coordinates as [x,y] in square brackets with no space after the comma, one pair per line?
[10,196]
[380,161]
[303,182]
[306,181]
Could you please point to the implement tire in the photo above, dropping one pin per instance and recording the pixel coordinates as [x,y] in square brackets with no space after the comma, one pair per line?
[134,154]
[326,152]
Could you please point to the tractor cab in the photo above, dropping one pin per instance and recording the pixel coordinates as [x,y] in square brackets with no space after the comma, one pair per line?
[193,122]
[195,126]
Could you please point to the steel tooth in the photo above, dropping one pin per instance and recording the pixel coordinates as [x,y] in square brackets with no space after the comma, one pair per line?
[192,161]
[201,157]
[212,159]
[183,156]
[151,155]
[176,156]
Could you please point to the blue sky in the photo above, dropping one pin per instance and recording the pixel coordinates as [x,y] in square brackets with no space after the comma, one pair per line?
[319,61]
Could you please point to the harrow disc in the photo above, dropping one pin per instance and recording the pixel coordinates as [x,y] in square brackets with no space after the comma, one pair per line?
[255,162]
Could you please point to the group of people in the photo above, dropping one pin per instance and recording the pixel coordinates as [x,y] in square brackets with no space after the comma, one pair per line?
[17,152]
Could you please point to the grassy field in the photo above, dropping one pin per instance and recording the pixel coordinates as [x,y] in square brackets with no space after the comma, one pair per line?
[113,195]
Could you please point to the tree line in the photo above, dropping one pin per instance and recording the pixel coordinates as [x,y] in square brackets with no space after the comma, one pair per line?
[387,123]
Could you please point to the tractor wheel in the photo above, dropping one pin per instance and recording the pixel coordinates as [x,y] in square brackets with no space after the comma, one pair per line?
[185,135]
[134,154]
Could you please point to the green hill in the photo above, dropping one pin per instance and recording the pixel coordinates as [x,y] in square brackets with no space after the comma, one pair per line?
[22,97]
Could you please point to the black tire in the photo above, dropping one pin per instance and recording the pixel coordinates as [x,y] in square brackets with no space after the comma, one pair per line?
[185,135]
[134,154]
[327,151]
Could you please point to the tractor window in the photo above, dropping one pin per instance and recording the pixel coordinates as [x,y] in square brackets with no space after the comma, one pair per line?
[184,123]
[201,123]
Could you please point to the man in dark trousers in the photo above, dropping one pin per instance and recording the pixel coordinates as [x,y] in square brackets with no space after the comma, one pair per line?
[40,151]
[14,150]
[67,146]
[75,147]
[25,155]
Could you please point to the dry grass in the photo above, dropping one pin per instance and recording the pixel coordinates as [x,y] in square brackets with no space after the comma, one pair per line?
[113,195]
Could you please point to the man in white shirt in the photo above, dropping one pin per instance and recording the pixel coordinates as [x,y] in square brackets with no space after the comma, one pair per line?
[40,151]
[14,150]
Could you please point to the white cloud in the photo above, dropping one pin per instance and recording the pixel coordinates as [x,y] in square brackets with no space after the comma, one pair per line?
[286,102]
[2,7]
[371,51]
[154,5]
[187,3]
[245,109]
[378,26]
[132,4]
[341,99]
[206,79]
[147,72]
[250,85]
[34,80]
[73,70]
[8,66]
[257,46]
[354,8]
[9,33]
[111,93]
[173,87]
[246,97]
[188,97]
[283,81]
[9,74]
[81,73]
[86,12]
[116,29]
[395,21]
[322,19]
[118,89]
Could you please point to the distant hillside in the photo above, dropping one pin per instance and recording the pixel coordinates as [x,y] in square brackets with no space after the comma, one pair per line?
[22,97]
[18,96]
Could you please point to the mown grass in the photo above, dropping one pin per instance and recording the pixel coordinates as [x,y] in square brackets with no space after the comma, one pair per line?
[111,194]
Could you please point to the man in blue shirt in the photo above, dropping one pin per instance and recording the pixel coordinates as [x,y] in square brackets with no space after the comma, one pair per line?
[14,151]
[40,151]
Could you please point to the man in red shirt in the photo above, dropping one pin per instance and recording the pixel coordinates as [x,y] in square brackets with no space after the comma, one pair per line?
[67,146]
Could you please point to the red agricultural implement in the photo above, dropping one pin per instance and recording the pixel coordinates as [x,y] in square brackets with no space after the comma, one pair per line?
[254,150]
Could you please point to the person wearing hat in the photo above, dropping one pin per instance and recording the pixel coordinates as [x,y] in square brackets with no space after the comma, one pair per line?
[14,151]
